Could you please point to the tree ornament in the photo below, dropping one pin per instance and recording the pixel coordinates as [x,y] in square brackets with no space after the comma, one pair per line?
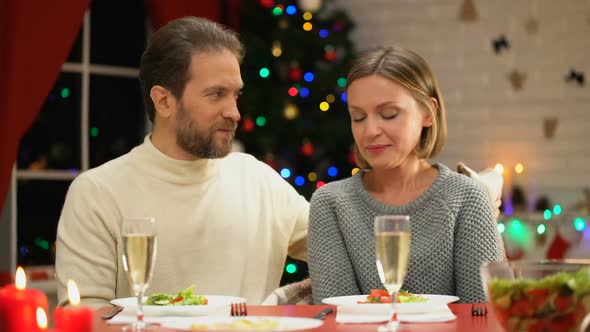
[267,3]
[307,147]
[330,55]
[295,72]
[248,125]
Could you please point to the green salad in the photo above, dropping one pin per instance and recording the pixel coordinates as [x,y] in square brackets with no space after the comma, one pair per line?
[184,297]
[407,297]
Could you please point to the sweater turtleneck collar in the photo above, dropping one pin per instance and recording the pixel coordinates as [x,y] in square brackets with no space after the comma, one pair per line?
[159,165]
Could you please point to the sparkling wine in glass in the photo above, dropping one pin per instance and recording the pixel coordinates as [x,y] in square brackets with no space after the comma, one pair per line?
[392,251]
[139,255]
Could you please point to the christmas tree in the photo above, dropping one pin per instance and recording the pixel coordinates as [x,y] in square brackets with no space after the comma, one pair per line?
[294,114]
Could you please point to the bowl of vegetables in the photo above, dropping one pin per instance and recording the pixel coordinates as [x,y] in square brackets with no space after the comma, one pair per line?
[547,295]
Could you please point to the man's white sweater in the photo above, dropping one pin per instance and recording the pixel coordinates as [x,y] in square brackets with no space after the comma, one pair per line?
[225,225]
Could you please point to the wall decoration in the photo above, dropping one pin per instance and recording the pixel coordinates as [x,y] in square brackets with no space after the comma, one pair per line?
[532,26]
[576,76]
[468,12]
[500,43]
[517,79]
[550,126]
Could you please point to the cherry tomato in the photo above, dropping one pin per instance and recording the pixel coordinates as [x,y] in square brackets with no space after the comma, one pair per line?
[538,296]
[521,308]
[378,293]
[563,302]
[385,299]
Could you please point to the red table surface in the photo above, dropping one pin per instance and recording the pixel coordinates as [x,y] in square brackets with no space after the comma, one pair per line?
[464,321]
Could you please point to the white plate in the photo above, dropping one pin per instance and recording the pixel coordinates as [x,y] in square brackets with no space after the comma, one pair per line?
[217,304]
[283,323]
[351,302]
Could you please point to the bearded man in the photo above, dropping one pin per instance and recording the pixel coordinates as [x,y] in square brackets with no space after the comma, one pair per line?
[225,221]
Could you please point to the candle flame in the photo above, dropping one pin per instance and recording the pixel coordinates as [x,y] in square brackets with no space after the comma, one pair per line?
[20,279]
[499,168]
[73,293]
[519,168]
[41,318]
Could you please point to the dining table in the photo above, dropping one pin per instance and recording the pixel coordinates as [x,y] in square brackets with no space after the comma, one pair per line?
[464,321]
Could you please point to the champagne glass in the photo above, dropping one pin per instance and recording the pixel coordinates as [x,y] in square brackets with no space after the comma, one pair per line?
[139,253]
[392,251]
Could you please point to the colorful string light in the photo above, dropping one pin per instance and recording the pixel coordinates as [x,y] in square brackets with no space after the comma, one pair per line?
[332,171]
[264,72]
[285,173]
[312,176]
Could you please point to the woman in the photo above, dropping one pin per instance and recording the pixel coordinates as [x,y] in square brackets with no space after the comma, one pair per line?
[398,123]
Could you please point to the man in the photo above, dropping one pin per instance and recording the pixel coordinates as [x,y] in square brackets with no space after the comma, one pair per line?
[226,222]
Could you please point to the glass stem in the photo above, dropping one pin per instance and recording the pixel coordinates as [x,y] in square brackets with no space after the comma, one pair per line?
[393,319]
[139,295]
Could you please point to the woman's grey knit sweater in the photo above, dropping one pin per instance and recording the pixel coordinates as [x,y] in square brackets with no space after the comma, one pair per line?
[453,233]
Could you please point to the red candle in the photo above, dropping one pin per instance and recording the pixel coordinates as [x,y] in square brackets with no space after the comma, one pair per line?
[18,306]
[73,318]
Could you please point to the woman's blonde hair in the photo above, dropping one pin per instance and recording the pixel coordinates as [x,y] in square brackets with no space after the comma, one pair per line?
[411,71]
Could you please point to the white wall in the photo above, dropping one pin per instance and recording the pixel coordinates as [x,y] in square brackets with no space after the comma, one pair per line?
[489,122]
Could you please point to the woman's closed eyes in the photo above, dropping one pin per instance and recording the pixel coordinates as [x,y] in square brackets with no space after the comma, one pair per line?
[385,116]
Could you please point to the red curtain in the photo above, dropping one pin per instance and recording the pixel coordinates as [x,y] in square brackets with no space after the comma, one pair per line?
[35,39]
[223,11]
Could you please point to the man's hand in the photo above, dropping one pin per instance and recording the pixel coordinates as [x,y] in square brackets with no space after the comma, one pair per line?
[496,205]
[491,180]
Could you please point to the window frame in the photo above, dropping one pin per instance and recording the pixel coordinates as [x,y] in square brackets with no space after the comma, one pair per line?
[85,68]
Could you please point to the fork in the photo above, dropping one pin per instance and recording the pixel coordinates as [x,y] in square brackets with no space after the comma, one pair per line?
[239,309]
[116,309]
[479,310]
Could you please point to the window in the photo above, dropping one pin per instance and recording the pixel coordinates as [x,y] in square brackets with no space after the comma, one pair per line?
[93,114]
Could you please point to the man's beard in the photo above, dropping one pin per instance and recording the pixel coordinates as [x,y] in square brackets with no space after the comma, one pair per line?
[201,144]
